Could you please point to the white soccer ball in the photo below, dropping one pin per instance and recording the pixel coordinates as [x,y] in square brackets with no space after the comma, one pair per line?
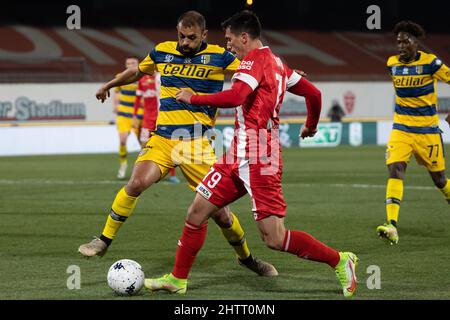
[126,277]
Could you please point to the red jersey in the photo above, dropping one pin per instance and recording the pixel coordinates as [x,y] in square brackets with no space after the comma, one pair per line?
[253,163]
[148,88]
[269,78]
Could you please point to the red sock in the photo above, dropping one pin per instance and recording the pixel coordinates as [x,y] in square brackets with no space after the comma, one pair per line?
[189,245]
[173,172]
[307,247]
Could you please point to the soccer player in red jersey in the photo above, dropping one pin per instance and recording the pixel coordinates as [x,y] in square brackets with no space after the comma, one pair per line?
[253,163]
[147,94]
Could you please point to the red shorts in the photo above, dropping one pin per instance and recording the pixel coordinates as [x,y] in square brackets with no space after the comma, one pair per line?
[225,183]
[149,123]
[146,130]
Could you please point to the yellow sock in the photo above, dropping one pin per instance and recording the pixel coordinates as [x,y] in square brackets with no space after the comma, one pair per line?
[123,154]
[394,195]
[121,209]
[236,237]
[446,191]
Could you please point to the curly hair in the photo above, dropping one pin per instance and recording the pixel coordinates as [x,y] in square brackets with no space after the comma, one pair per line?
[409,27]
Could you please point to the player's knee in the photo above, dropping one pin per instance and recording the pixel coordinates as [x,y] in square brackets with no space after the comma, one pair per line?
[196,215]
[193,210]
[136,185]
[440,181]
[222,219]
[397,170]
[273,242]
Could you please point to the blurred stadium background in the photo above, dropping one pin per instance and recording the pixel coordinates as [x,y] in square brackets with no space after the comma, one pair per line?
[49,73]
[48,79]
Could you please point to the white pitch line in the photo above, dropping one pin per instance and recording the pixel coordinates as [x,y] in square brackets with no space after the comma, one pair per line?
[356,186]
[379,186]
[60,182]
[113,182]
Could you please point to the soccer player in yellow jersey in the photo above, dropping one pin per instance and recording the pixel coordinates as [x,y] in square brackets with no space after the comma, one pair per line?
[123,101]
[415,130]
[179,139]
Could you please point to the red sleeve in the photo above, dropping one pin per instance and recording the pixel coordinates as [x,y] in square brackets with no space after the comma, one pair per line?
[313,99]
[231,98]
[245,80]
[251,69]
[137,101]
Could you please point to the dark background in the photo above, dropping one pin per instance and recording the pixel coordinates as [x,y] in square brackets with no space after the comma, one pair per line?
[279,14]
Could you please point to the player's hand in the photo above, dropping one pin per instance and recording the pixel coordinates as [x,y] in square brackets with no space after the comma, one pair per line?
[102,94]
[447,118]
[307,132]
[135,122]
[300,72]
[184,96]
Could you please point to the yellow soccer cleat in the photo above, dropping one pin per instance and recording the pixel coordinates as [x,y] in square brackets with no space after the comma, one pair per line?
[168,283]
[388,232]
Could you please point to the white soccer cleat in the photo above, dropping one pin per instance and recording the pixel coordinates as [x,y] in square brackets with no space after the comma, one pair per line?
[122,171]
[260,267]
[96,247]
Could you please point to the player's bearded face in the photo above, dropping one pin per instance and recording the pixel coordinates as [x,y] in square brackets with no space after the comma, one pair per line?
[407,46]
[190,38]
[234,44]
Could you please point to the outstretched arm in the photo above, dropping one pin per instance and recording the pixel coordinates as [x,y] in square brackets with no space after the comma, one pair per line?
[231,98]
[128,76]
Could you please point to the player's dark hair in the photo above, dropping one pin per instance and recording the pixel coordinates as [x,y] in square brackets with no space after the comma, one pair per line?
[244,21]
[409,27]
[133,57]
[192,18]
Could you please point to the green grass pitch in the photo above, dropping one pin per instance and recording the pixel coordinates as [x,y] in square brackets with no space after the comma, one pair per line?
[49,205]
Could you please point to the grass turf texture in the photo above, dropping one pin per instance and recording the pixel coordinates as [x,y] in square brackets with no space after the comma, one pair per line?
[49,205]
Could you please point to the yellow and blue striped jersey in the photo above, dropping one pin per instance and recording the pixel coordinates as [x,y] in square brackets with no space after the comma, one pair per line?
[202,73]
[416,101]
[127,98]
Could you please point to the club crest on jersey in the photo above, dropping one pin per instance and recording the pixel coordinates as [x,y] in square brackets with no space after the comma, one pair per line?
[205,58]
[419,69]
[168,58]
[394,70]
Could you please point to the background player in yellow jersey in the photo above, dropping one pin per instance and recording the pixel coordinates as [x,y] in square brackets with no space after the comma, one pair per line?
[415,130]
[179,139]
[123,101]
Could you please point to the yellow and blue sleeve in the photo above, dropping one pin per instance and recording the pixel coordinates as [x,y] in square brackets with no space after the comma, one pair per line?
[231,63]
[148,64]
[440,71]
